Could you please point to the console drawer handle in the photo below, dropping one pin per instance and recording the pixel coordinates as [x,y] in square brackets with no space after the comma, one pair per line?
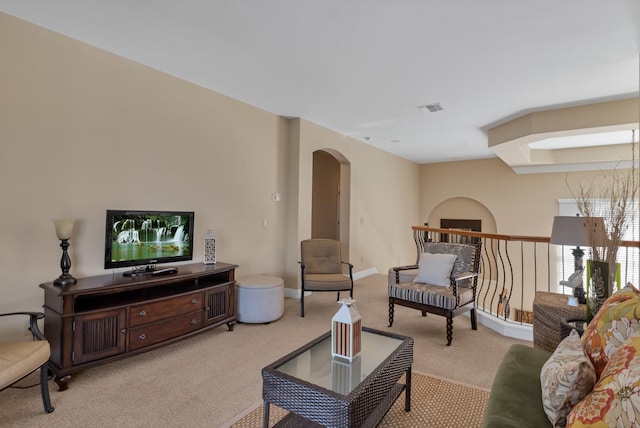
[193,322]
[124,330]
[194,301]
[142,336]
[143,313]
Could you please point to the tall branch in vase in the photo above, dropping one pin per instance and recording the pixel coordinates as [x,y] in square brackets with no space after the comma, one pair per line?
[610,196]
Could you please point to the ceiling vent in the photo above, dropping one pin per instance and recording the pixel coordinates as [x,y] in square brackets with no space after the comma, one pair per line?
[431,108]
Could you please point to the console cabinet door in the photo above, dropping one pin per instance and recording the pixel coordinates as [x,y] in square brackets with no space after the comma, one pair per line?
[98,335]
[217,304]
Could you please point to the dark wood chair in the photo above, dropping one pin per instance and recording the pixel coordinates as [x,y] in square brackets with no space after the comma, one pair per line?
[321,267]
[447,300]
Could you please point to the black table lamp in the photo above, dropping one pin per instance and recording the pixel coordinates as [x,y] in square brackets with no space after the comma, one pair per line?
[64,228]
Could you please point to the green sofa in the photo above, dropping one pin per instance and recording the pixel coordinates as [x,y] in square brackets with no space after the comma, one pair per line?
[516,394]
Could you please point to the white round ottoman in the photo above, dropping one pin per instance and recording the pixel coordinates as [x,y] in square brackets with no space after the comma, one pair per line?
[259,298]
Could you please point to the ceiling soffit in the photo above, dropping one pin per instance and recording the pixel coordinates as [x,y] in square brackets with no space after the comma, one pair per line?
[511,141]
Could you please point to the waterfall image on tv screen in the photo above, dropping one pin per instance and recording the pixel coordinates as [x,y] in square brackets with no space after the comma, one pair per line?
[144,237]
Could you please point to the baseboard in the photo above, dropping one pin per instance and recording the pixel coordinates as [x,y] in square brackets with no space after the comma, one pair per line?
[364,273]
[292,293]
[505,328]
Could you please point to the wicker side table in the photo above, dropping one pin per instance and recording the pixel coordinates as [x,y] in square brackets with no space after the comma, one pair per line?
[549,309]
[577,324]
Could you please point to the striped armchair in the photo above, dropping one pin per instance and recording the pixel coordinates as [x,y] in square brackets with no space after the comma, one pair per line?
[449,299]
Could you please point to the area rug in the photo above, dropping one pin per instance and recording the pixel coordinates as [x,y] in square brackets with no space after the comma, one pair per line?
[435,402]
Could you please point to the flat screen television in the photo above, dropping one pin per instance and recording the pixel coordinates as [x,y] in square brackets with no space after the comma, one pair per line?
[145,238]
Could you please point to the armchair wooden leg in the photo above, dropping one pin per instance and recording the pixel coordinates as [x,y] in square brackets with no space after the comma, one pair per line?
[390,312]
[44,388]
[449,329]
[424,313]
[302,304]
[474,320]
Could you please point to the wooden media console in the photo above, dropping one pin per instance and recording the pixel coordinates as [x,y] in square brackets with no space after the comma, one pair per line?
[105,318]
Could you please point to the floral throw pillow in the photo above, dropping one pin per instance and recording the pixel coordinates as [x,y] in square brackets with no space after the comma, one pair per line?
[617,319]
[566,378]
[615,399]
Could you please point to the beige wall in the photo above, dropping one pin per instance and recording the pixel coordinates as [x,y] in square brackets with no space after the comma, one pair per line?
[82,131]
[521,204]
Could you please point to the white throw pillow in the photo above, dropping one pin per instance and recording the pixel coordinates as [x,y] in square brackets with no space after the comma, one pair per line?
[435,269]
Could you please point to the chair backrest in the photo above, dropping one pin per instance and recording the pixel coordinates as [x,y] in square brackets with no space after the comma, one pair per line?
[468,255]
[321,256]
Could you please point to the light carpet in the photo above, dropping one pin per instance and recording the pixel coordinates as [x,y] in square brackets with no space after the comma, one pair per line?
[432,404]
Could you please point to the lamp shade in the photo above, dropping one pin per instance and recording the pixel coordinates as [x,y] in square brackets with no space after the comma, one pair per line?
[64,228]
[578,231]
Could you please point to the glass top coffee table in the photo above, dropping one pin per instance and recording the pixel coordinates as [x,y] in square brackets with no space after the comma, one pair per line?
[317,388]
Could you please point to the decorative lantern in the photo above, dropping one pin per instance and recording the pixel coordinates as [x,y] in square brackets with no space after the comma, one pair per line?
[346,331]
[210,248]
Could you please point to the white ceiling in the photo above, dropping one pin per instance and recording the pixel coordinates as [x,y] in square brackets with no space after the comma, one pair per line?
[362,67]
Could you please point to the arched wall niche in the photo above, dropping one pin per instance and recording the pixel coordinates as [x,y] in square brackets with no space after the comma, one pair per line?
[463,209]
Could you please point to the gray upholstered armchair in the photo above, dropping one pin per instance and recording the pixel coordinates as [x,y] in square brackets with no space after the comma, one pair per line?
[443,283]
[321,268]
[19,359]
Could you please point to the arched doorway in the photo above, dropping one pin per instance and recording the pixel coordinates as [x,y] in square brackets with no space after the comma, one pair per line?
[330,197]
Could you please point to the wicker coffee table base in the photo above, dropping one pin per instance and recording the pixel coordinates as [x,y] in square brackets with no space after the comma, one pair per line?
[364,406]
[295,421]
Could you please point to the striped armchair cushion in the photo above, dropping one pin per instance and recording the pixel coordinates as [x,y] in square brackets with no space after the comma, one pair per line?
[433,295]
